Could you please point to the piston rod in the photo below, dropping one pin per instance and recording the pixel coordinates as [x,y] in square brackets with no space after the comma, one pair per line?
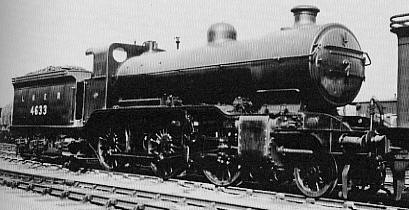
[294,151]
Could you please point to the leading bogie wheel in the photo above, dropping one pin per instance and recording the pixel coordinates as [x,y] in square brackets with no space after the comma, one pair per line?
[317,176]
[222,169]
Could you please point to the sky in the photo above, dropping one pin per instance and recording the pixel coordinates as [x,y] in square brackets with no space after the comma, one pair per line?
[40,33]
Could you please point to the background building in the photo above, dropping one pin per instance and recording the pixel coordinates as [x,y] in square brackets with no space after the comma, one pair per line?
[362,109]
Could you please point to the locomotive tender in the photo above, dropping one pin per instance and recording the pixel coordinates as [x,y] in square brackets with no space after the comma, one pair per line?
[212,109]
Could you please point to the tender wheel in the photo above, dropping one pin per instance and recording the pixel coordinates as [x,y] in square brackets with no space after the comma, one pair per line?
[168,154]
[112,142]
[317,176]
[222,169]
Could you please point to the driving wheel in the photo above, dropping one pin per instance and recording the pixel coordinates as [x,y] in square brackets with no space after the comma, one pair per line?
[110,143]
[168,153]
[317,176]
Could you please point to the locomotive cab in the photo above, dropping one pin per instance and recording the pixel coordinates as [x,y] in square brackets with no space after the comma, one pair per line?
[99,92]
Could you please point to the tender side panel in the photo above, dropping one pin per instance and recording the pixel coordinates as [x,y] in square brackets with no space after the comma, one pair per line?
[50,103]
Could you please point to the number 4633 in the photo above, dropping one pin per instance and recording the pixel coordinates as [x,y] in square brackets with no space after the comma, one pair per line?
[38,110]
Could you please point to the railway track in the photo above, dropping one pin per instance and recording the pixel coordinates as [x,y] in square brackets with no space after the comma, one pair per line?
[132,191]
[10,149]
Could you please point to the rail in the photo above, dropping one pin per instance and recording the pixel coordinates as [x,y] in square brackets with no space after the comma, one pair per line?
[51,179]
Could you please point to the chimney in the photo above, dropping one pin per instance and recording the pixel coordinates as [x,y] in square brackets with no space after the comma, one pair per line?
[400,26]
[304,15]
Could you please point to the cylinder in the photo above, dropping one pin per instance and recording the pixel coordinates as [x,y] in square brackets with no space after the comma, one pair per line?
[400,26]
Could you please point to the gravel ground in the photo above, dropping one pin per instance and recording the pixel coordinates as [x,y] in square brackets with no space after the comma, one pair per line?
[17,199]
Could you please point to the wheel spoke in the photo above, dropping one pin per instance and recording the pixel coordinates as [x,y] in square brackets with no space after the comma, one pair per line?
[118,149]
[228,174]
[165,150]
[108,143]
[316,186]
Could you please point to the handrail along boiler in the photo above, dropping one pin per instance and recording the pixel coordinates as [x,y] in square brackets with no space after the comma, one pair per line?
[216,109]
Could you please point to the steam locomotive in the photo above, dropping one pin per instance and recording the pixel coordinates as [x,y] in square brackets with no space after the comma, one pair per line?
[261,109]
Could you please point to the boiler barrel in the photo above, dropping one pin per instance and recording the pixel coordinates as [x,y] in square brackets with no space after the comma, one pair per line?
[324,62]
